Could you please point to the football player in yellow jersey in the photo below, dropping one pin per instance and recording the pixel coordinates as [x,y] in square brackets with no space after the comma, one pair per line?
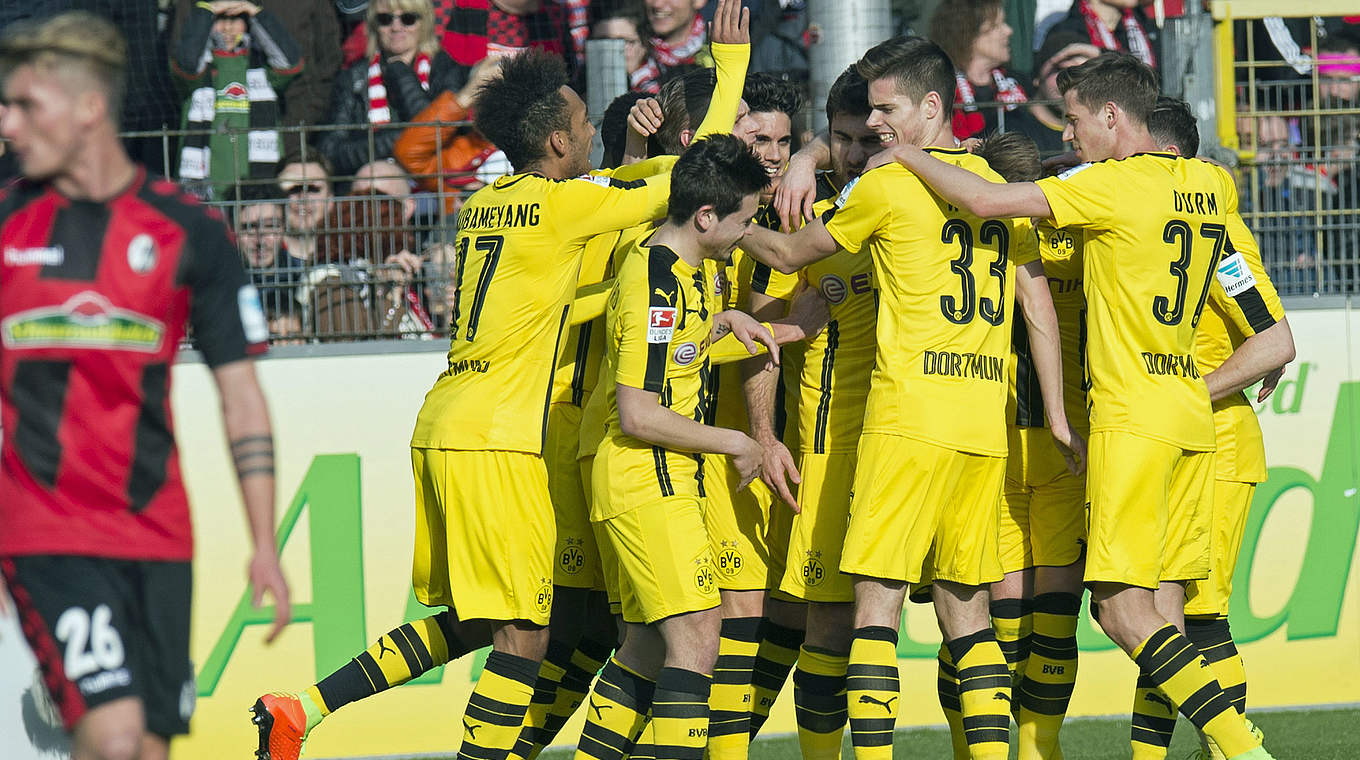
[580,643]
[484,538]
[926,492]
[829,392]
[1243,329]
[1150,486]
[648,472]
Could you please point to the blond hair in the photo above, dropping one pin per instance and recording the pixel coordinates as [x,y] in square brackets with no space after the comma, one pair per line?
[71,40]
[428,43]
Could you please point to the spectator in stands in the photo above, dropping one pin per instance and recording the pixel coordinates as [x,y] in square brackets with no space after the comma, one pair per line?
[623,21]
[232,59]
[677,34]
[479,29]
[1050,117]
[773,105]
[307,186]
[1109,25]
[403,71]
[1339,71]
[975,36]
[448,154]
[257,216]
[779,39]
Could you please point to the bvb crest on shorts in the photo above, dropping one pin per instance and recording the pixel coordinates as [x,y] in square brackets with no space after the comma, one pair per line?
[730,560]
[813,570]
[703,576]
[572,560]
[543,599]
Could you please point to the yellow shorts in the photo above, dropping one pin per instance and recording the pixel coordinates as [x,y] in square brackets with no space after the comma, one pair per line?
[1232,503]
[609,564]
[739,525]
[1043,505]
[664,561]
[576,557]
[484,534]
[1150,511]
[813,571]
[921,513]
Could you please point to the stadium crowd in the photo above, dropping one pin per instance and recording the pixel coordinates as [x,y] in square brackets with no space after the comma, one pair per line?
[337,90]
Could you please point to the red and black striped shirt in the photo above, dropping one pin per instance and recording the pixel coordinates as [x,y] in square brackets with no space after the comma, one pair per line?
[94,300]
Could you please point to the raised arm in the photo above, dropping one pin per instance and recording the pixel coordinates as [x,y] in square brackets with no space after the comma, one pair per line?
[977,195]
[1036,303]
[797,191]
[731,46]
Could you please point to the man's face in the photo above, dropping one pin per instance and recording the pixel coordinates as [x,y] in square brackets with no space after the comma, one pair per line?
[309,196]
[726,232]
[581,135]
[42,121]
[1273,151]
[671,17]
[771,141]
[1338,85]
[852,143]
[1090,132]
[259,232]
[895,117]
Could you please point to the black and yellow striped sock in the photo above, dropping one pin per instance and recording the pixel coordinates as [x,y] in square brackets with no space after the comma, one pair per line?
[1012,621]
[551,673]
[401,654]
[1050,674]
[1175,666]
[872,692]
[1154,721]
[774,660]
[680,714]
[984,694]
[1212,636]
[645,746]
[729,704]
[616,711]
[819,702]
[947,689]
[495,710]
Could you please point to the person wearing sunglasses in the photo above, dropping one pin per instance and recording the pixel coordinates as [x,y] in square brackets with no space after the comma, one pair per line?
[305,184]
[403,71]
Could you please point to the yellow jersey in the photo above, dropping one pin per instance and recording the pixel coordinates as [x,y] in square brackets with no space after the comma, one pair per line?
[946,284]
[658,324]
[1060,251]
[1242,302]
[519,245]
[1155,227]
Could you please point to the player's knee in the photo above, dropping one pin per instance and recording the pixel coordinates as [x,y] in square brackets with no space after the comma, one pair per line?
[109,743]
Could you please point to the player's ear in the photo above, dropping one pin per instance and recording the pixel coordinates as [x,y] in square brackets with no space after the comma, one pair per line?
[931,105]
[1111,114]
[559,142]
[686,137]
[90,106]
[705,218]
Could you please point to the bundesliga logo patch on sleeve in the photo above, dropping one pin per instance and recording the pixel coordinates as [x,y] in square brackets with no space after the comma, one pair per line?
[845,192]
[660,324]
[1234,275]
[1079,168]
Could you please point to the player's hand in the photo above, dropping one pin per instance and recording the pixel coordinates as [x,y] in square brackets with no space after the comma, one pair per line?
[731,24]
[266,575]
[777,470]
[1072,446]
[747,460]
[485,70]
[797,192]
[750,332]
[402,267]
[971,144]
[881,158]
[810,311]
[645,117]
[1268,384]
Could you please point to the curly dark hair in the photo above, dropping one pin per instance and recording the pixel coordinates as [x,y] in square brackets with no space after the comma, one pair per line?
[519,109]
[956,25]
[767,94]
[718,171]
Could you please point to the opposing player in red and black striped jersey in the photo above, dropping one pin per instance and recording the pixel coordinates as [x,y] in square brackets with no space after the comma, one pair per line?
[102,268]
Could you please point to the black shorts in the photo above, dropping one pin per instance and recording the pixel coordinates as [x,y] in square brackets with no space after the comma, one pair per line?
[102,629]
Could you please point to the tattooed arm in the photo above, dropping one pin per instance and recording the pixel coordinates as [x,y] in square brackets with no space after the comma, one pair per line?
[246,419]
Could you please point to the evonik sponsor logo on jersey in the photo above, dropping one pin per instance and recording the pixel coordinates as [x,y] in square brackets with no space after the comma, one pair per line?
[86,320]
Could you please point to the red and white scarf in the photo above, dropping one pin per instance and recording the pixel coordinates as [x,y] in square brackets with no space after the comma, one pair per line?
[968,120]
[670,56]
[1139,44]
[646,79]
[378,112]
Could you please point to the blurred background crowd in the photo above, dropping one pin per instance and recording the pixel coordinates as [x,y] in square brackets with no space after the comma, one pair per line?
[335,134]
